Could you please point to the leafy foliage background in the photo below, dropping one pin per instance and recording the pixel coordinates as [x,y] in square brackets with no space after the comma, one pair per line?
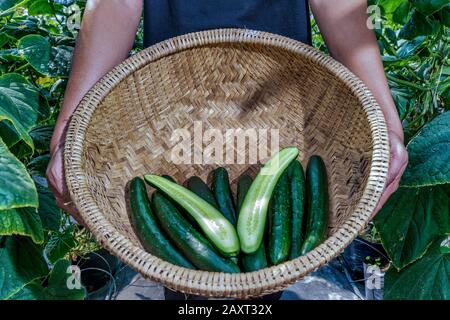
[38,241]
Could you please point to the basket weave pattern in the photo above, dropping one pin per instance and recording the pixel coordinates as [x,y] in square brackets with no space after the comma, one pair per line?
[227,78]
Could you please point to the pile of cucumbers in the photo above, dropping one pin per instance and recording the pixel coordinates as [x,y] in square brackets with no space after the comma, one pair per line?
[276,217]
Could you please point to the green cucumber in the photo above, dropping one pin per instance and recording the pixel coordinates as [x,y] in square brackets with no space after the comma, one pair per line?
[223,195]
[180,209]
[243,185]
[197,186]
[215,226]
[144,223]
[169,177]
[190,242]
[253,213]
[280,222]
[296,179]
[257,260]
[317,204]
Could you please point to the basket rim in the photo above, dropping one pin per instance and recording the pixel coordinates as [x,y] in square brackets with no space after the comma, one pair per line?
[214,284]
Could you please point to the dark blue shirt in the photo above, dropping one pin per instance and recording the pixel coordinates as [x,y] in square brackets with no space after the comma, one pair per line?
[164,19]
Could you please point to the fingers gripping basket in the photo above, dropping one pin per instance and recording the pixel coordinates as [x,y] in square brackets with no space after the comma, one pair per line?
[228,78]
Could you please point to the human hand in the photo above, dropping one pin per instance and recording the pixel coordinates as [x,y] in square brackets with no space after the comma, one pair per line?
[398,163]
[57,183]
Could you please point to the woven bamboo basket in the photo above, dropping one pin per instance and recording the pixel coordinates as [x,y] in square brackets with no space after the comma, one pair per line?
[226,78]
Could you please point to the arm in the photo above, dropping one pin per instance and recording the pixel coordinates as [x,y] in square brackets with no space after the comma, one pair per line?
[343,24]
[106,37]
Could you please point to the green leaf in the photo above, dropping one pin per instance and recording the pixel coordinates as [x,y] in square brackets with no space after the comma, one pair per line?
[42,136]
[391,35]
[38,166]
[16,186]
[410,220]
[36,50]
[3,39]
[8,133]
[22,221]
[428,7]
[401,13]
[444,16]
[58,246]
[57,288]
[61,59]
[429,154]
[39,7]
[47,60]
[19,104]
[402,99]
[21,262]
[10,55]
[49,213]
[6,4]
[409,48]
[390,6]
[426,279]
[418,25]
[21,150]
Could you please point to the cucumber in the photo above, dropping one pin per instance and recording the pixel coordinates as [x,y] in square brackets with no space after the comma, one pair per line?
[296,179]
[144,223]
[317,204]
[191,243]
[257,260]
[168,177]
[223,195]
[197,186]
[215,226]
[253,213]
[280,222]
[243,185]
[180,209]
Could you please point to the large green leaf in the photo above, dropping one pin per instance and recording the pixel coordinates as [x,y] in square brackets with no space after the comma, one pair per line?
[428,7]
[426,279]
[19,104]
[21,262]
[57,288]
[22,221]
[49,213]
[47,60]
[418,25]
[410,220]
[36,50]
[16,186]
[429,154]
